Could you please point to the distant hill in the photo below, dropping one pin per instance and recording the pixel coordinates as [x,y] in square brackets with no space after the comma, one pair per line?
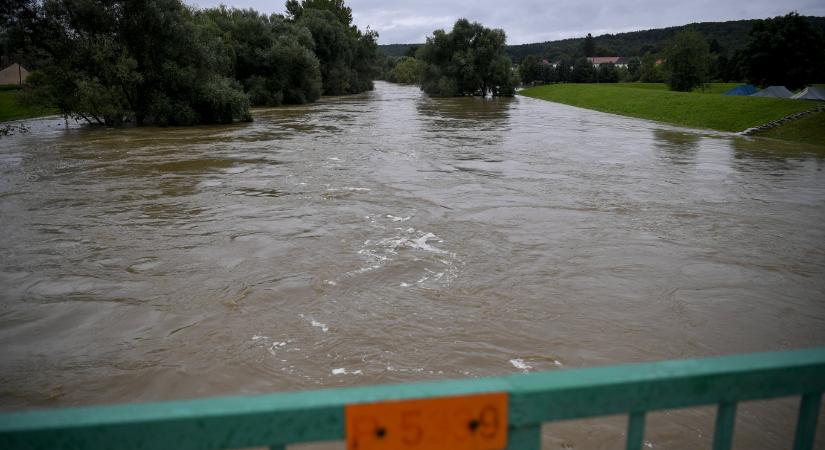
[730,36]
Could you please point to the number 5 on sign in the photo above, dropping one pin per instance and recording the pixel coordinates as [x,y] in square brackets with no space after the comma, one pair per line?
[472,422]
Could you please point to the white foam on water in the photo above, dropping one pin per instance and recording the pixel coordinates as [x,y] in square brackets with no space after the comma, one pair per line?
[330,283]
[519,363]
[344,371]
[408,245]
[258,337]
[421,243]
[314,323]
[349,189]
[275,346]
[320,325]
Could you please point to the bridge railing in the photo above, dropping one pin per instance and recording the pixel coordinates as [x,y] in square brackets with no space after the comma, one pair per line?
[276,420]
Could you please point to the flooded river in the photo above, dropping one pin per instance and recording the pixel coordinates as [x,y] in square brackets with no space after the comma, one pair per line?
[390,237]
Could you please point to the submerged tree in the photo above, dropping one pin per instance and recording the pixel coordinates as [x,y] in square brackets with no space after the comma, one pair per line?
[687,61]
[347,56]
[404,71]
[110,61]
[469,60]
[273,58]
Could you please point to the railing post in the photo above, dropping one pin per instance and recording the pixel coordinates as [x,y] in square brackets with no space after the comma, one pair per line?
[806,422]
[635,430]
[725,420]
[524,438]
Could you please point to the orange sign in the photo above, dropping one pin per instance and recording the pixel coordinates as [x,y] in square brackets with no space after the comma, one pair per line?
[472,422]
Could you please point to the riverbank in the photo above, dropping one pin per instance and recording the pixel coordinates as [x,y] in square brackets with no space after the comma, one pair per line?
[691,109]
[809,129]
[11,108]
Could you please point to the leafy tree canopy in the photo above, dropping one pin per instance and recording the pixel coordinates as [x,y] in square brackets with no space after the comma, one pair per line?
[347,56]
[785,50]
[273,59]
[469,60]
[687,61]
[111,61]
[161,62]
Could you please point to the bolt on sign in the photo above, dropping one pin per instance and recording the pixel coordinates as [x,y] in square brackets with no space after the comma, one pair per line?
[471,422]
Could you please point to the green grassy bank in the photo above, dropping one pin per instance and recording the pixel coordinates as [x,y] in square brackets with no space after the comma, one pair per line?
[12,109]
[809,129]
[652,101]
[710,88]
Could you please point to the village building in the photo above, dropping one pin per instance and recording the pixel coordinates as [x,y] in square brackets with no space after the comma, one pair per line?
[618,61]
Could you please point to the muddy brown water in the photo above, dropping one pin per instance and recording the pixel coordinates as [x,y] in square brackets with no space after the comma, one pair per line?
[390,237]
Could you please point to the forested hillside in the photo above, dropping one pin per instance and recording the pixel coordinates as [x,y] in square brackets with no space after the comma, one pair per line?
[730,36]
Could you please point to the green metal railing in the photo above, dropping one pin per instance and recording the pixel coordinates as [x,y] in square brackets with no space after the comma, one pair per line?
[276,420]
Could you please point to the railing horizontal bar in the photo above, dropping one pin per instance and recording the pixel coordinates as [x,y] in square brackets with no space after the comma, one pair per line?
[725,421]
[233,422]
[806,422]
[573,394]
[635,430]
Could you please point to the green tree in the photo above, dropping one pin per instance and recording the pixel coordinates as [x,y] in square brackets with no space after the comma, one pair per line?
[469,60]
[111,61]
[548,73]
[582,72]
[347,56]
[649,71]
[404,71]
[530,69]
[343,13]
[687,61]
[564,69]
[785,50]
[633,68]
[589,46]
[607,73]
[273,59]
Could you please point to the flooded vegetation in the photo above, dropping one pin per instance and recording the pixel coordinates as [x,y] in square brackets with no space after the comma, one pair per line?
[390,237]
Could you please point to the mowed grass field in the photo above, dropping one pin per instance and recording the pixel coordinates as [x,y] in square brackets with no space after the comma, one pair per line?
[12,109]
[653,101]
[710,88]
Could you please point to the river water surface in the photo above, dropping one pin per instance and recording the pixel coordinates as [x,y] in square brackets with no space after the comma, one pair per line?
[390,237]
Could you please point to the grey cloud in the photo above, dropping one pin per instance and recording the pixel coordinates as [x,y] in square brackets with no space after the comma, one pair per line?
[535,21]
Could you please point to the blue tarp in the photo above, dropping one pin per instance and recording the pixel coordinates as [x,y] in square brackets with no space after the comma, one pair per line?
[742,89]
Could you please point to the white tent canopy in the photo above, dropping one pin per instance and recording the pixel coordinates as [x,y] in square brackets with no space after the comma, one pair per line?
[811,93]
[774,91]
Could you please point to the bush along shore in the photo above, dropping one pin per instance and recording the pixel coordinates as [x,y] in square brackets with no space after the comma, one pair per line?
[162,62]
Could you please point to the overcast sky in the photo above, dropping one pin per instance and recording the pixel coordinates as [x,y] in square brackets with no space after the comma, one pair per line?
[525,21]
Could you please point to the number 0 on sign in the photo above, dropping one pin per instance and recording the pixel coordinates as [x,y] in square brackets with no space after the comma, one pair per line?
[472,422]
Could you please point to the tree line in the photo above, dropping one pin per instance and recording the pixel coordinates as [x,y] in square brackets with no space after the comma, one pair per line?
[161,62]
[730,37]
[786,50]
